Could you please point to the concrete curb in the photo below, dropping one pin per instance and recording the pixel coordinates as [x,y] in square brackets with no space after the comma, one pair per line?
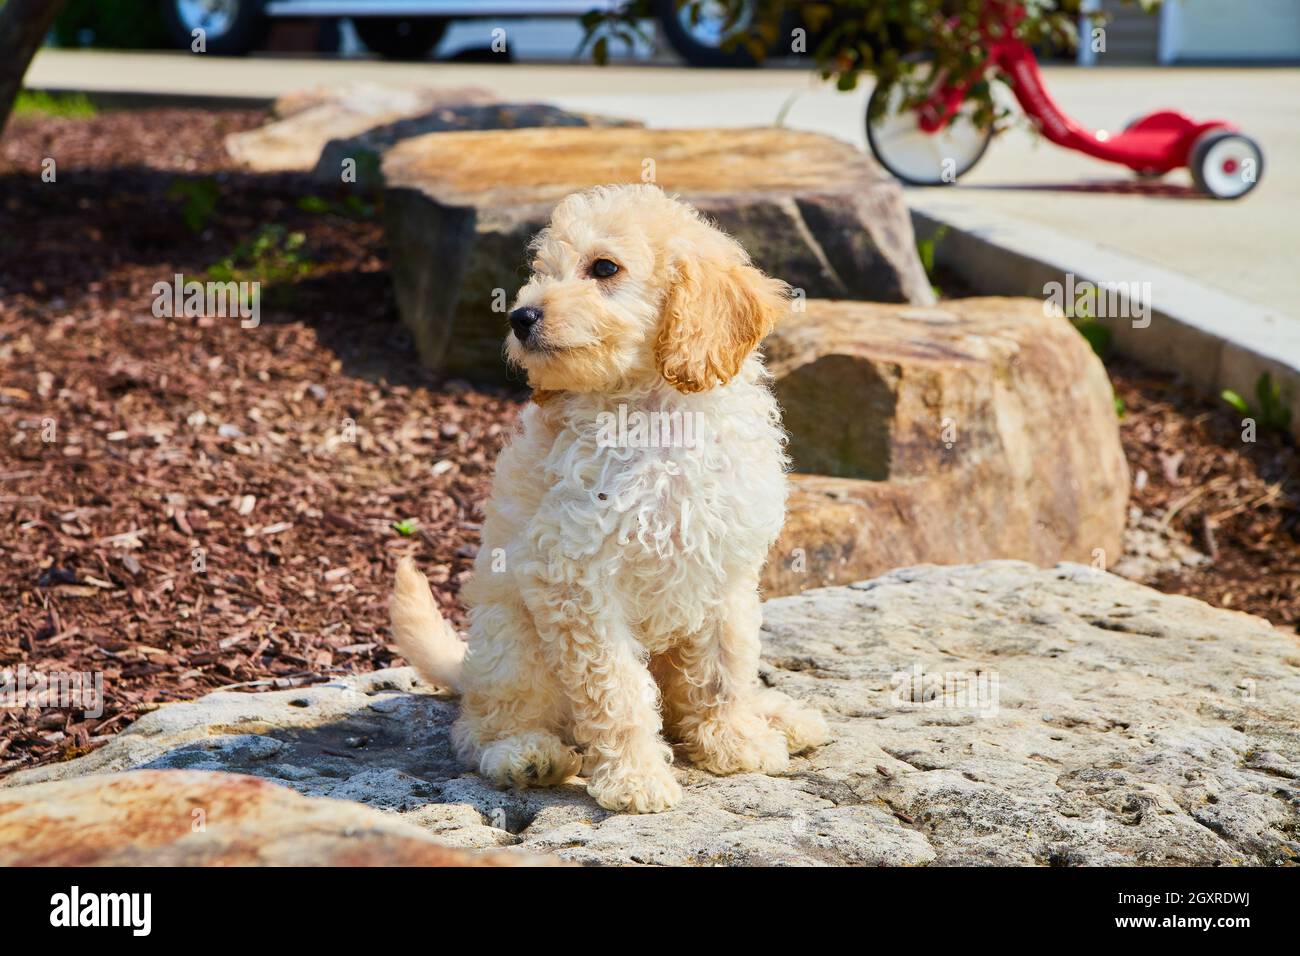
[1214,340]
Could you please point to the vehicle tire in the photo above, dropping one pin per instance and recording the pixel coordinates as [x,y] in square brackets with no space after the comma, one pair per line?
[401,38]
[1224,164]
[232,27]
[914,156]
[701,43]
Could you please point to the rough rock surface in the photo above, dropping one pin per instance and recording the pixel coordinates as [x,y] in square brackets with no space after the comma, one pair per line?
[1125,727]
[308,119]
[192,818]
[461,207]
[978,429]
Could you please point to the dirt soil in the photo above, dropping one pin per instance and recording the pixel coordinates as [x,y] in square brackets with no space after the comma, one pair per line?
[187,504]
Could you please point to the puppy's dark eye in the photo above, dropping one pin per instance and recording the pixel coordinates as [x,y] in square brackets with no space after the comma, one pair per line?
[604,268]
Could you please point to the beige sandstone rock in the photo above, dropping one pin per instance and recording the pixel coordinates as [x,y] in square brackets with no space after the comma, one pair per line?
[366,149]
[461,207]
[307,120]
[196,818]
[1109,725]
[978,429]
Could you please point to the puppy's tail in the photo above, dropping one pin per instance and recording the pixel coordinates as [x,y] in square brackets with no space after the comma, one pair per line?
[423,637]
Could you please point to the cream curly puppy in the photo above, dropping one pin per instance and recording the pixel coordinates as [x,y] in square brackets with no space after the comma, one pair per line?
[615,595]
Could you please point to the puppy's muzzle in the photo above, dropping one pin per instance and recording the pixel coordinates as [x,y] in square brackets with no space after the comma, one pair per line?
[524,322]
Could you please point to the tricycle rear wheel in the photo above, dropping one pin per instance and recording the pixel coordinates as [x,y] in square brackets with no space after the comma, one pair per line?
[1224,164]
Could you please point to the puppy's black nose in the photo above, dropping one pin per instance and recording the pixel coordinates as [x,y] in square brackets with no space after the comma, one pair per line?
[523,320]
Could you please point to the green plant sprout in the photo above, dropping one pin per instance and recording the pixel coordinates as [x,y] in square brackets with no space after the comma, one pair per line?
[925,249]
[273,255]
[200,201]
[62,105]
[1270,412]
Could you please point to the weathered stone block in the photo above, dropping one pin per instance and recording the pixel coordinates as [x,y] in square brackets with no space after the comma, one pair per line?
[460,207]
[981,428]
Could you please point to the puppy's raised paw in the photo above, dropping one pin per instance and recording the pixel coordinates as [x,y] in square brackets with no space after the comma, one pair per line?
[532,759]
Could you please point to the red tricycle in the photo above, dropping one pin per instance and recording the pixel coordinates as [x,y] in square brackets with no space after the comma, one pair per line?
[936,141]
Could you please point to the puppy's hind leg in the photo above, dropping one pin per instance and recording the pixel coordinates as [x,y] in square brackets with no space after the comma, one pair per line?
[803,727]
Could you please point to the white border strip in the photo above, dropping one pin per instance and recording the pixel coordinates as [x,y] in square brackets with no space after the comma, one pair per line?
[1211,338]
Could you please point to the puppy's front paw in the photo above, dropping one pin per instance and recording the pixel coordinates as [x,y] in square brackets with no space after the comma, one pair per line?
[531,759]
[803,727]
[737,743]
[642,786]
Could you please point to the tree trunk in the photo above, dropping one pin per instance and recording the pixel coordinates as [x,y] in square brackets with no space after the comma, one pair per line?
[23,25]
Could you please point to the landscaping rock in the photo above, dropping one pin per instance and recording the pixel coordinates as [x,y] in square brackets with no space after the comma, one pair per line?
[191,818]
[307,120]
[1115,725]
[367,148]
[461,207]
[982,428]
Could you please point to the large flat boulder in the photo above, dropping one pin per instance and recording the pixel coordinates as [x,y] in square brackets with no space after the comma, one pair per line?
[195,818]
[366,149]
[461,207]
[304,121]
[981,428]
[1105,724]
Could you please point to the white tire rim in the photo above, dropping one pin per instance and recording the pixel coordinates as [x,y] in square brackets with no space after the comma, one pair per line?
[711,30]
[923,157]
[1230,167]
[214,17]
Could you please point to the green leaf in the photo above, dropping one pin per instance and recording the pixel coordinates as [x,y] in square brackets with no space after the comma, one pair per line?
[406,527]
[1235,400]
[1097,335]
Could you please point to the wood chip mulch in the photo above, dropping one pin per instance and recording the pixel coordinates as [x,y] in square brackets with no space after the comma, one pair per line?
[187,505]
[1236,501]
[215,505]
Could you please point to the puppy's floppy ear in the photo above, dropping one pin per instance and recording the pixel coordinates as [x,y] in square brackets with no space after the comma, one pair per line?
[716,312]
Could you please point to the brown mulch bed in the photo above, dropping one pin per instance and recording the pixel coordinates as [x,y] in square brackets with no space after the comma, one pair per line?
[202,517]
[1236,502]
[217,505]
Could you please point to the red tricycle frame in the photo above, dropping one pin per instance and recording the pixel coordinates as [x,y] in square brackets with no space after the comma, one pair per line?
[1223,162]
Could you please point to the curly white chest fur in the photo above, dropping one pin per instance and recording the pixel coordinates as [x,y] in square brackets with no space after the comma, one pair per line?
[669,499]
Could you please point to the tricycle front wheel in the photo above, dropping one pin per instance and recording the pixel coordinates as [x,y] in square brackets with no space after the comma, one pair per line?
[915,156]
[1224,164]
